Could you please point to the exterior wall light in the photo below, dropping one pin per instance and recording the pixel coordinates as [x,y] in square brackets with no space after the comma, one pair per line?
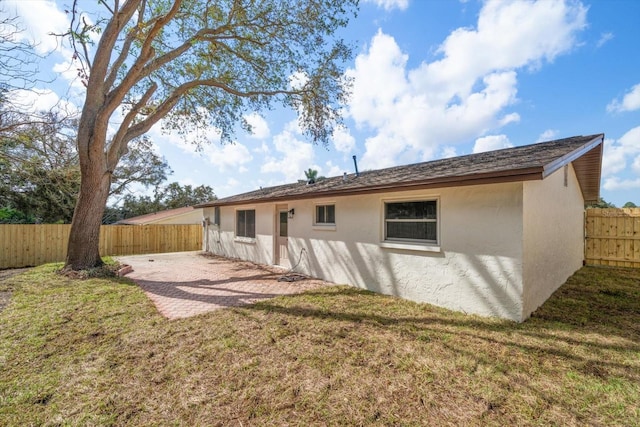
[291,212]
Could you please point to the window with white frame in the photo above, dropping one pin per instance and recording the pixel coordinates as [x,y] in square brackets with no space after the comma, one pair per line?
[411,221]
[325,215]
[246,223]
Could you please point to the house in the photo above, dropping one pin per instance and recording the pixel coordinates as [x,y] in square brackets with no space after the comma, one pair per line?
[493,233]
[186,215]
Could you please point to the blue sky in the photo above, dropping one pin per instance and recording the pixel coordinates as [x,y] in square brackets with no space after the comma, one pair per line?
[432,79]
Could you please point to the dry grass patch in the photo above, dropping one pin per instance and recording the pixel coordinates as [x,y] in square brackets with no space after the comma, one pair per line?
[96,352]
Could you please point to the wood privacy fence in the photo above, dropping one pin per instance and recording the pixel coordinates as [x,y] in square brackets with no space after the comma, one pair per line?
[23,245]
[613,237]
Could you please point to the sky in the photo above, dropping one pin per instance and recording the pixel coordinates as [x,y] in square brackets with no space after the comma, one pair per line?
[431,79]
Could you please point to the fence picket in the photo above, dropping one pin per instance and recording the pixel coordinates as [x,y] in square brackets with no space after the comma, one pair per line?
[23,245]
[613,237]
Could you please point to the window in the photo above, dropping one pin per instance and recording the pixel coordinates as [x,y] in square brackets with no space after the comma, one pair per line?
[325,214]
[284,222]
[246,223]
[216,215]
[411,221]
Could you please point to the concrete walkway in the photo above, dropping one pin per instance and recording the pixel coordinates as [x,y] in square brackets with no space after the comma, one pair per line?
[184,284]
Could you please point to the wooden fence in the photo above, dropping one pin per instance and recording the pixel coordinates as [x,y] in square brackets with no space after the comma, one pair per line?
[29,245]
[613,237]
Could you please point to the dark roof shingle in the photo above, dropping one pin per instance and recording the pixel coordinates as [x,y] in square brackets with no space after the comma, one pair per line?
[528,162]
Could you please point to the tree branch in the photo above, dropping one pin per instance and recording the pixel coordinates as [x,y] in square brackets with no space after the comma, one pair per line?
[115,150]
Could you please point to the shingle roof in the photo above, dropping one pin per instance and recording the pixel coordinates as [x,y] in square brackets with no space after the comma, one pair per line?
[155,217]
[529,162]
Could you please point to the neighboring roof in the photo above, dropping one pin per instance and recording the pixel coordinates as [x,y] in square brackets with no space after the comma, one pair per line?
[524,163]
[156,216]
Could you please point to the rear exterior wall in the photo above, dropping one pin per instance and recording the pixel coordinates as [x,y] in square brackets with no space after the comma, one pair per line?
[476,267]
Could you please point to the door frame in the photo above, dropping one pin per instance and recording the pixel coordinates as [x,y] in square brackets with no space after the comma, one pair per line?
[276,236]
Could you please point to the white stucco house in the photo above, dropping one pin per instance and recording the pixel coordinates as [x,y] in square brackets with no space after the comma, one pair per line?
[493,233]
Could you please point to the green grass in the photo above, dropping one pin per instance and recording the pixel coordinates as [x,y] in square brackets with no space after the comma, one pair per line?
[96,352]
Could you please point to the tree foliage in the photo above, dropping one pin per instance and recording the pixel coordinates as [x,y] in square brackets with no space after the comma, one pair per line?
[602,203]
[40,174]
[312,175]
[197,63]
[629,205]
[171,196]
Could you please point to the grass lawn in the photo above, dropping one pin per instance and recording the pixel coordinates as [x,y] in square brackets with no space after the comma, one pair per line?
[96,352]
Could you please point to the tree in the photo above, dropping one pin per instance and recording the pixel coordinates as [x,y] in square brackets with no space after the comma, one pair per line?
[629,205]
[18,67]
[40,174]
[171,196]
[195,63]
[602,203]
[175,196]
[312,175]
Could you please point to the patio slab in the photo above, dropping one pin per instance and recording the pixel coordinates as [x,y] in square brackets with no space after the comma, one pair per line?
[184,284]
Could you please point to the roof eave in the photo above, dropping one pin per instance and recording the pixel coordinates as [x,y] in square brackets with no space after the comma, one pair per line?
[588,177]
[570,157]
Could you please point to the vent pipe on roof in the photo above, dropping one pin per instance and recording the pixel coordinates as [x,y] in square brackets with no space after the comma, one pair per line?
[355,163]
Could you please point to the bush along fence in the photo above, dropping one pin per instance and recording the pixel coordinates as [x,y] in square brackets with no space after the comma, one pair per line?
[25,245]
[612,237]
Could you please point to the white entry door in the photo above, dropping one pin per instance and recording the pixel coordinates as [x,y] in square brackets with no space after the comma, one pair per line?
[282,239]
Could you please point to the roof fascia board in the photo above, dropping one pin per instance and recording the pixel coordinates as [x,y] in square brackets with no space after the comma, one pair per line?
[570,157]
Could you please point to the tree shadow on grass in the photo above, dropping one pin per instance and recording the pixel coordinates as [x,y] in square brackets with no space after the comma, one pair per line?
[576,315]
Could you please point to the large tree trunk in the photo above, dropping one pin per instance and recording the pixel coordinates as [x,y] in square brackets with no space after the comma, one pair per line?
[83,251]
[84,240]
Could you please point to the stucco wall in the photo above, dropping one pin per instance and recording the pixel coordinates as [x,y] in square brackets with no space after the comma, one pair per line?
[553,235]
[477,267]
[222,241]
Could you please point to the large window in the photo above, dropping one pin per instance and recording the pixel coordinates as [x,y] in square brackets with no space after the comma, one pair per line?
[325,214]
[415,221]
[246,223]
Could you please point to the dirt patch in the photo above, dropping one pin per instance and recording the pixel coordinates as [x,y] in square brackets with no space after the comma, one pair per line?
[5,296]
[5,274]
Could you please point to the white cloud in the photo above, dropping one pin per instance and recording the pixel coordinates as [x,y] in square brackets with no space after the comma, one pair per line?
[231,186]
[630,101]
[547,135]
[491,142]
[41,19]
[297,156]
[231,156]
[223,156]
[604,38]
[331,170]
[615,157]
[259,126]
[448,152]
[465,93]
[615,183]
[36,100]
[636,165]
[343,141]
[263,149]
[390,4]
